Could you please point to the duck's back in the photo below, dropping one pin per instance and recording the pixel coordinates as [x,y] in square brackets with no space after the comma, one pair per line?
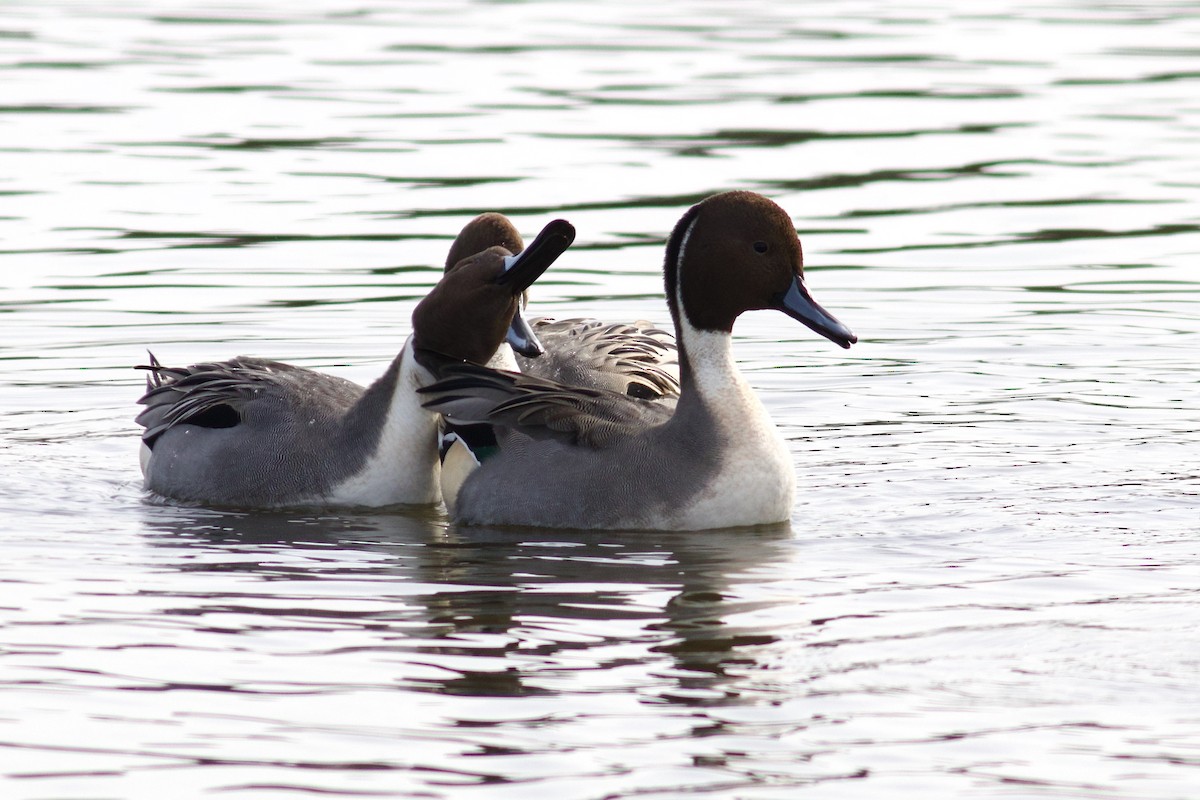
[244,432]
[632,358]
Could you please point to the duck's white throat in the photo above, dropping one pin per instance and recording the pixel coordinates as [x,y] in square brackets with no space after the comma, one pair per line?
[710,355]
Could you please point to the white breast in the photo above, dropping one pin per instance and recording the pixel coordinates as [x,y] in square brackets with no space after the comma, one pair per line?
[756,482]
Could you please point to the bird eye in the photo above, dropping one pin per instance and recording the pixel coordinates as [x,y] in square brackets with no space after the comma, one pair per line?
[760,247]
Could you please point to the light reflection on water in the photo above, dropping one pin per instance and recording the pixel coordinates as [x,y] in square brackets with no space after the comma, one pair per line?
[988,586]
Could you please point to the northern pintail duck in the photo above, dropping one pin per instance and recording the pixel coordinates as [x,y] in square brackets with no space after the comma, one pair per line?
[634,358]
[250,432]
[587,458]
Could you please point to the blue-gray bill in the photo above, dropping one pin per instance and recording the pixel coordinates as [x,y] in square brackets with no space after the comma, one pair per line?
[522,338]
[798,304]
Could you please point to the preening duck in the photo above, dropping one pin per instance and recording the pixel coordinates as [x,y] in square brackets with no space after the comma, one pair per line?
[256,433]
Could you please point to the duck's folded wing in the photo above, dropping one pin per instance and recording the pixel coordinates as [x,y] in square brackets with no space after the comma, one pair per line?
[540,408]
[210,394]
[634,358]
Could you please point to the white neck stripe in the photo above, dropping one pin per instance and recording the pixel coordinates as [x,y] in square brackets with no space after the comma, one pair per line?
[687,234]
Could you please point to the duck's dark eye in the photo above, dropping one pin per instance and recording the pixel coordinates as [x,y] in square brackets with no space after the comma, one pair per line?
[760,247]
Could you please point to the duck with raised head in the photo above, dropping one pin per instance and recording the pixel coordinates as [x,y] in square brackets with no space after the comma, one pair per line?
[255,433]
[634,358]
[589,458]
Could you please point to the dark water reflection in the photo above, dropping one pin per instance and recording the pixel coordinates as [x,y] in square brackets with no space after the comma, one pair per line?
[481,582]
[473,620]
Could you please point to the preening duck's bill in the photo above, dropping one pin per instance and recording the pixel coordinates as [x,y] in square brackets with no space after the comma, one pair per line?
[520,271]
[797,303]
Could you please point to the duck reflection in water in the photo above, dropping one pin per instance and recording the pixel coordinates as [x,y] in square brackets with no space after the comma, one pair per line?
[505,612]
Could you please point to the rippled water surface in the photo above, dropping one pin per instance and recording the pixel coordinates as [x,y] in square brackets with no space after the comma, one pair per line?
[991,581]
